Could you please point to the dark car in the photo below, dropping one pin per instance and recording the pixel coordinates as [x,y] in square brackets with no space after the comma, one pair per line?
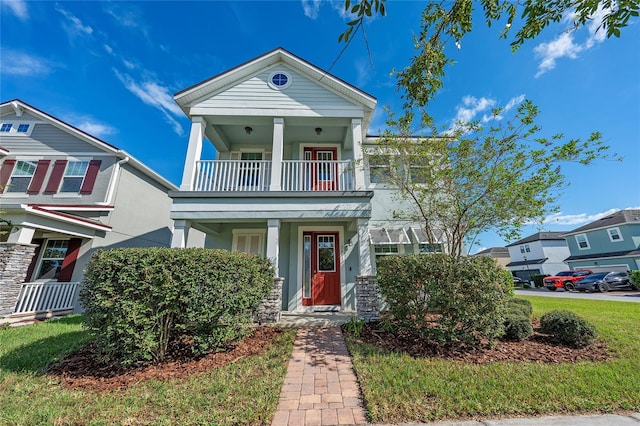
[517,281]
[604,281]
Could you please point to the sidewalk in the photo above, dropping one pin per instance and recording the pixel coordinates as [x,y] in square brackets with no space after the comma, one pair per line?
[603,420]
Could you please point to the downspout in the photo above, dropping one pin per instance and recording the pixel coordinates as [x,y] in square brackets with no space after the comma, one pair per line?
[113,182]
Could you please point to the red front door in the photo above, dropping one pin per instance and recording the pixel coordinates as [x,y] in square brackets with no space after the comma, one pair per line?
[323,170]
[321,269]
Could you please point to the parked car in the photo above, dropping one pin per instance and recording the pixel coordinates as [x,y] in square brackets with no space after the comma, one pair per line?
[517,281]
[604,281]
[565,279]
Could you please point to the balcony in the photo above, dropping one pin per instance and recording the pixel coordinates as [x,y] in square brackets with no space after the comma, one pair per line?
[256,175]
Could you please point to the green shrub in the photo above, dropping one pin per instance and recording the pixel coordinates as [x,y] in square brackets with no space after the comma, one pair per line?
[537,280]
[634,277]
[517,326]
[568,328]
[139,301]
[519,305]
[468,294]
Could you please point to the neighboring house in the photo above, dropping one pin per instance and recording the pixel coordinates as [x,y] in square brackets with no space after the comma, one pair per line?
[66,194]
[291,179]
[540,253]
[500,254]
[608,244]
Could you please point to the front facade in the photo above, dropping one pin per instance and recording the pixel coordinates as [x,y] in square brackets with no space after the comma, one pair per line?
[499,254]
[539,253]
[611,243]
[290,179]
[64,195]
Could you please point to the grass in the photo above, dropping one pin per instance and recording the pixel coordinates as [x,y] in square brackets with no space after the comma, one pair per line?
[398,388]
[245,392]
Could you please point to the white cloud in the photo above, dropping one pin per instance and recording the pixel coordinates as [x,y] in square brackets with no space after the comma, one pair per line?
[24,64]
[578,219]
[108,49]
[17,7]
[130,65]
[363,72]
[93,127]
[514,102]
[468,110]
[155,95]
[74,26]
[311,8]
[596,35]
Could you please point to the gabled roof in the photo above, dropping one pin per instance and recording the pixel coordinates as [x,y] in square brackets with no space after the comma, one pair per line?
[279,55]
[18,105]
[539,236]
[494,252]
[620,217]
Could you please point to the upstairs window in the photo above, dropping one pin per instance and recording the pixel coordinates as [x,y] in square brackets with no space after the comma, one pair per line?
[525,249]
[380,168]
[6,127]
[23,128]
[583,242]
[430,248]
[614,235]
[74,176]
[279,80]
[14,128]
[21,176]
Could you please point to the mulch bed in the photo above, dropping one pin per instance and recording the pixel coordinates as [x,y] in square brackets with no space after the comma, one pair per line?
[82,370]
[539,348]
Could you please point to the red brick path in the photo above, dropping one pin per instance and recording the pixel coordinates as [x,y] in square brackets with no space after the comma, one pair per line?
[320,387]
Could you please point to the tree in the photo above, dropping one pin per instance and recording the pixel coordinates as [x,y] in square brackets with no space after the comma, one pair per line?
[480,176]
[448,21]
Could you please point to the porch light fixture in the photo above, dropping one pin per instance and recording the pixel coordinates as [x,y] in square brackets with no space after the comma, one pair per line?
[248,130]
[318,130]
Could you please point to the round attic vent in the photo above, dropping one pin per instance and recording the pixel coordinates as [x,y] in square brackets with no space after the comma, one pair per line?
[279,80]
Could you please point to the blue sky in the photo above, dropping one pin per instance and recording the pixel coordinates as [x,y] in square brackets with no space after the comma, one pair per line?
[111,69]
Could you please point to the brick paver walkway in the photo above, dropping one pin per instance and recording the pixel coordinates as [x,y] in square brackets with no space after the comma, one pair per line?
[320,387]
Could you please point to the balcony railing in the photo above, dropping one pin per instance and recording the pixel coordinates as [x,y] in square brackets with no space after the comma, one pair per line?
[45,297]
[297,175]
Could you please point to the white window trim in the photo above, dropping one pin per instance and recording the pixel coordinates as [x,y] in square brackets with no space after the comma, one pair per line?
[611,237]
[586,239]
[273,86]
[41,258]
[14,127]
[249,232]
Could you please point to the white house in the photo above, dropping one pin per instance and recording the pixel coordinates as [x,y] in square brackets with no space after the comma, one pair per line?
[65,194]
[540,253]
[291,178]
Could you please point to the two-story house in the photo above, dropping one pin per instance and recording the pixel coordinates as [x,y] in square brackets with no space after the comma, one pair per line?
[611,243]
[64,195]
[539,253]
[291,179]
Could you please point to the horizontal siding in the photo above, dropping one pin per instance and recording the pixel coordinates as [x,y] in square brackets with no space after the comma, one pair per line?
[302,94]
[46,138]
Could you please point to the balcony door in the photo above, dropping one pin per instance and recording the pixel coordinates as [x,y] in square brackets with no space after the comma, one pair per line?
[322,170]
[321,269]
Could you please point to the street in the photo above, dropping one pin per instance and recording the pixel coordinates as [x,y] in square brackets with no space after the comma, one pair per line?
[619,296]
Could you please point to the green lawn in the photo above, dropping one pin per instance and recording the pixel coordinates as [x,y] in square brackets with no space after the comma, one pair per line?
[398,388]
[245,392]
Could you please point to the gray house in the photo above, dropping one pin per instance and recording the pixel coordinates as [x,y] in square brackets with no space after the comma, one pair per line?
[64,195]
[540,253]
[611,243]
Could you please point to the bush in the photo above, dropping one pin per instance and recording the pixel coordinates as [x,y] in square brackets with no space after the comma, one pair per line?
[139,301]
[634,278]
[468,294]
[538,280]
[517,326]
[568,328]
[519,305]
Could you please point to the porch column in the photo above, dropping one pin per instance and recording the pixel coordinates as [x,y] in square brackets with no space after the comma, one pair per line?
[276,155]
[366,268]
[356,130]
[21,235]
[273,243]
[180,233]
[194,152]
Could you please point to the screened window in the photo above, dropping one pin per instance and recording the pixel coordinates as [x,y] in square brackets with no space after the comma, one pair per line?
[614,235]
[52,258]
[74,175]
[583,241]
[380,168]
[21,176]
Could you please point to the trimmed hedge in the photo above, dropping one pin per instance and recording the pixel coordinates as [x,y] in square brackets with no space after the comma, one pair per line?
[634,278]
[538,280]
[139,301]
[517,326]
[468,293]
[568,328]
[523,306]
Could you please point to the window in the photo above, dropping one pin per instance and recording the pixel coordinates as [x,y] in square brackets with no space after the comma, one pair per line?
[583,242]
[380,168]
[385,249]
[23,128]
[279,80]
[614,235]
[429,248]
[73,176]
[326,253]
[6,127]
[418,169]
[16,128]
[248,241]
[21,176]
[525,249]
[52,258]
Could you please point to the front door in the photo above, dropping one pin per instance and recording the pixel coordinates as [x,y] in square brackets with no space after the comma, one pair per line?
[321,269]
[323,170]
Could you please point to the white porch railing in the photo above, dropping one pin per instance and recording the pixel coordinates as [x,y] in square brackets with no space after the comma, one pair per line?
[43,297]
[297,175]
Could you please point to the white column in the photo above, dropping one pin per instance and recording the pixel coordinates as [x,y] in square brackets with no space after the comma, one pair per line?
[273,243]
[180,233]
[276,155]
[21,235]
[194,151]
[356,131]
[366,267]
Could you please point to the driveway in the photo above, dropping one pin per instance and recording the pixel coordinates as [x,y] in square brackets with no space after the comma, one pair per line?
[617,296]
